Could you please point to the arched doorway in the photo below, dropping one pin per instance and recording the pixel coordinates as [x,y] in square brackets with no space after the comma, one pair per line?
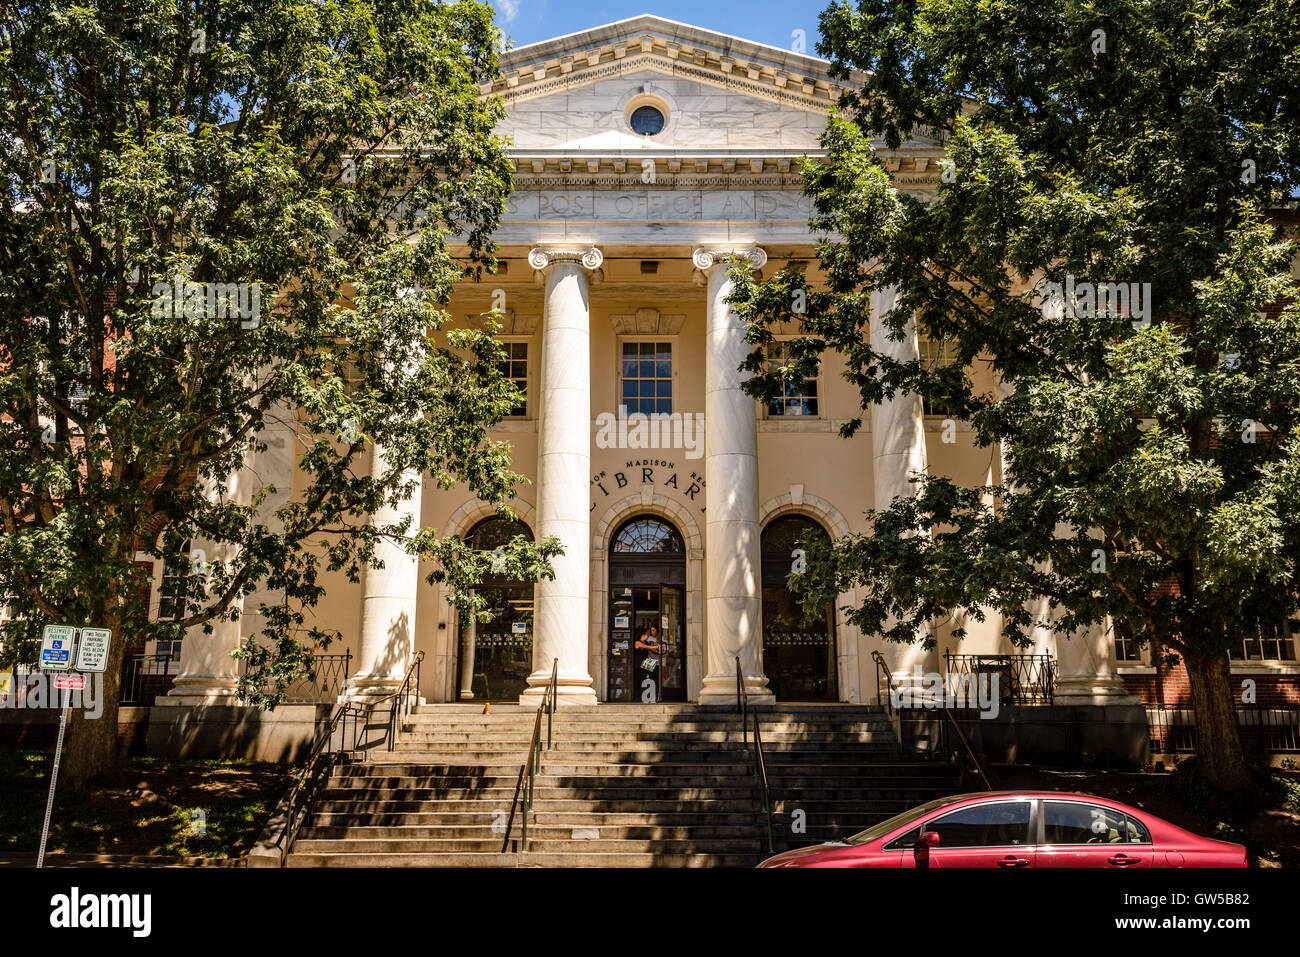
[646,650]
[495,657]
[798,651]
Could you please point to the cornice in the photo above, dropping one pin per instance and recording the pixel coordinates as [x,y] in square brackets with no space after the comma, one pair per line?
[802,85]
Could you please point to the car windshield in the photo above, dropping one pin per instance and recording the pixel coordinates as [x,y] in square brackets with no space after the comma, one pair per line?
[907,817]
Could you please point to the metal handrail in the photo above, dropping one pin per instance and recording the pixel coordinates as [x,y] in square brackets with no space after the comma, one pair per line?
[970,752]
[323,757]
[320,763]
[882,665]
[531,766]
[403,695]
[760,760]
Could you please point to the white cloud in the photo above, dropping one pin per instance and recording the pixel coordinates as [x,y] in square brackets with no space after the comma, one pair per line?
[508,9]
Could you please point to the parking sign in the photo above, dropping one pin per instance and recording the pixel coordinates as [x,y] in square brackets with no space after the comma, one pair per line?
[92,651]
[56,647]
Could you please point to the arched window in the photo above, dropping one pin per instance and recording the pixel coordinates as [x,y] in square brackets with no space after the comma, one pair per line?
[647,535]
[495,532]
[496,656]
[798,647]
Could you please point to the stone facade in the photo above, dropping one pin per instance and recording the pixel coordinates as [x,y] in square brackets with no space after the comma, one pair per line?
[613,239]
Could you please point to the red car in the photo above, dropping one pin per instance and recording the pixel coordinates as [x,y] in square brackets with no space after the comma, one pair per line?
[1019,829]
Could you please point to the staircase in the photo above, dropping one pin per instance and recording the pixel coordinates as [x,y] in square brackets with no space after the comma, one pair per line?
[663,785]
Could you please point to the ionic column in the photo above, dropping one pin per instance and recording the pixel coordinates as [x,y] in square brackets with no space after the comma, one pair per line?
[1085,660]
[733,609]
[897,452]
[1086,671]
[208,673]
[272,474]
[560,622]
[388,597]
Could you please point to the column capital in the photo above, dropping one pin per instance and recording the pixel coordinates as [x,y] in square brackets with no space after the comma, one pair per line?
[543,257]
[707,257]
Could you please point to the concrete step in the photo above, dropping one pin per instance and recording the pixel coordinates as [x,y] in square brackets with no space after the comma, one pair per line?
[514,859]
[423,753]
[741,830]
[449,816]
[536,843]
[694,723]
[726,739]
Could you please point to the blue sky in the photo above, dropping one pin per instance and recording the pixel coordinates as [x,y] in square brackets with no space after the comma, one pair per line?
[765,21]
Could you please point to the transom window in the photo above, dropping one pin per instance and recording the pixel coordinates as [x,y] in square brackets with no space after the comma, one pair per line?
[515,368]
[496,532]
[798,397]
[648,536]
[647,377]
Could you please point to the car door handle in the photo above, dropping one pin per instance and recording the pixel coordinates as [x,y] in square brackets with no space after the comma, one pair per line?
[1122,860]
[1013,862]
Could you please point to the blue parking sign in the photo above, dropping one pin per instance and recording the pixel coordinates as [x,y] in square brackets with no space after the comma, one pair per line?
[56,647]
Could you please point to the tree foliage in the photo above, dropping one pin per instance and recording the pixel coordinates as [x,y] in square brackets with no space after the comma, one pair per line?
[161,159]
[1148,445]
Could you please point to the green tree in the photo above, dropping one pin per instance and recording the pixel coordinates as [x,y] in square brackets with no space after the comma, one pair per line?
[1130,142]
[214,209]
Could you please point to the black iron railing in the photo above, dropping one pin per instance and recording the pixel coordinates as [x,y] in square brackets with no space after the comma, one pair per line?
[146,677]
[527,779]
[760,759]
[1022,679]
[1265,729]
[327,681]
[964,756]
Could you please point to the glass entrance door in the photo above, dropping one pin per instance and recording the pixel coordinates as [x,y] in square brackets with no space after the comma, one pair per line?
[647,647]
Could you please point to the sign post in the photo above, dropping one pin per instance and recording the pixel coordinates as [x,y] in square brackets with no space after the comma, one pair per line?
[56,654]
[57,645]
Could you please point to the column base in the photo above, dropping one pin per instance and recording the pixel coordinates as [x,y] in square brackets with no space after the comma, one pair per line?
[367,689]
[573,690]
[721,690]
[1092,690]
[203,690]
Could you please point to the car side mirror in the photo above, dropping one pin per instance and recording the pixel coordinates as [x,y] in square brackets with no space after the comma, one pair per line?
[928,840]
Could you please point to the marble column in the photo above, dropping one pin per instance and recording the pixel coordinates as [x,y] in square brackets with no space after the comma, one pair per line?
[1086,672]
[273,478]
[1085,660]
[560,623]
[388,598]
[732,596]
[897,454]
[208,674]
[469,628]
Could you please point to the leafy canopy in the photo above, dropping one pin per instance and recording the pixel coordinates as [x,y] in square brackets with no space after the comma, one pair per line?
[167,162]
[1132,142]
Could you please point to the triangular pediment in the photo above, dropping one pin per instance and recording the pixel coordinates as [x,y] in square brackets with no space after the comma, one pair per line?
[732,107]
[673,50]
[592,116]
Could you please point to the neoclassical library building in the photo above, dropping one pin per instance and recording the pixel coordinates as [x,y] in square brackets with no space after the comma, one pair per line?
[646,154]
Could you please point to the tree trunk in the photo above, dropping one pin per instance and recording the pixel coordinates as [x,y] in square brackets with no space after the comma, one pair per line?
[90,748]
[1220,758]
